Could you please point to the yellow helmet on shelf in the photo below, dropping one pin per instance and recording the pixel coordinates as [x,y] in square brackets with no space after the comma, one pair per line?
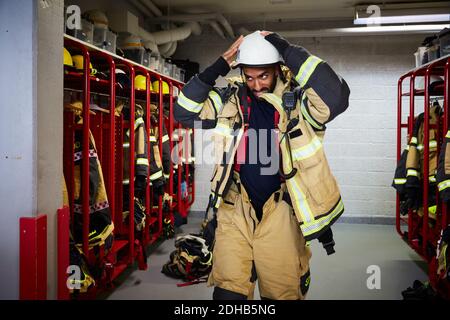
[165,87]
[67,58]
[140,82]
[78,61]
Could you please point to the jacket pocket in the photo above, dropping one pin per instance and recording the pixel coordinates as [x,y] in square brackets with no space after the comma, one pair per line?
[306,147]
[322,191]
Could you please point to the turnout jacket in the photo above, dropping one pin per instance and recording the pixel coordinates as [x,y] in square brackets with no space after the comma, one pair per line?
[408,178]
[443,170]
[313,190]
[140,147]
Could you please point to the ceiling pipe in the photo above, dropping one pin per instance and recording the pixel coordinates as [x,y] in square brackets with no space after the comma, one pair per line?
[216,27]
[199,18]
[152,7]
[196,28]
[138,5]
[172,50]
[181,33]
[164,48]
[227,26]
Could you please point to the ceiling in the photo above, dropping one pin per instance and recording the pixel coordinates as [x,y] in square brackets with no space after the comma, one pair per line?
[251,11]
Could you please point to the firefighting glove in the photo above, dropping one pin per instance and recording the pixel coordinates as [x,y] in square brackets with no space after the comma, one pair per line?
[139,186]
[327,241]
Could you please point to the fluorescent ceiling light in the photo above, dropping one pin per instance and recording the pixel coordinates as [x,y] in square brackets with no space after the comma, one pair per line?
[387,29]
[395,13]
[370,30]
[403,19]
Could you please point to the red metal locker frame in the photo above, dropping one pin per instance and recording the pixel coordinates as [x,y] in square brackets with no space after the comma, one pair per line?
[85,151]
[110,154]
[63,225]
[437,67]
[33,258]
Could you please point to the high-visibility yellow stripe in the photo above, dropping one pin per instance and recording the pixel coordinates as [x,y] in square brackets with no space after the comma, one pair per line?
[308,118]
[432,144]
[156,175]
[299,203]
[142,162]
[166,175]
[448,134]
[217,101]
[126,144]
[165,138]
[307,151]
[443,185]
[307,69]
[126,181]
[412,172]
[432,178]
[219,200]
[317,225]
[138,122]
[152,139]
[189,104]
[400,181]
[223,130]
[414,140]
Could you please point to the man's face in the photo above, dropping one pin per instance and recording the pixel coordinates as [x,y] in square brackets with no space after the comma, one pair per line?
[260,79]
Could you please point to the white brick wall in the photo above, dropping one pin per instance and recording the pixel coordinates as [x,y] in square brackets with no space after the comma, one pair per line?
[360,144]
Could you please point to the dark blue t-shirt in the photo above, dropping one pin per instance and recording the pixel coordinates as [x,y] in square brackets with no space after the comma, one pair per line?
[259,174]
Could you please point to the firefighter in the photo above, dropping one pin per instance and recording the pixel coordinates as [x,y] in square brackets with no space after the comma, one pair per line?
[265,216]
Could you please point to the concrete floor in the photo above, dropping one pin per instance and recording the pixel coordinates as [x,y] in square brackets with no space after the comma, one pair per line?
[340,276]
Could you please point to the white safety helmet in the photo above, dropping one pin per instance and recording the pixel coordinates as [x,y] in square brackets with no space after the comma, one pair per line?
[256,51]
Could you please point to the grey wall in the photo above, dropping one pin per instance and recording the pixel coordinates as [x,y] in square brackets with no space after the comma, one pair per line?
[18,129]
[30,129]
[360,144]
[50,127]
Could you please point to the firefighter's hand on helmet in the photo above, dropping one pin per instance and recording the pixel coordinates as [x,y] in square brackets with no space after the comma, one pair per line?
[230,54]
[265,33]
[276,40]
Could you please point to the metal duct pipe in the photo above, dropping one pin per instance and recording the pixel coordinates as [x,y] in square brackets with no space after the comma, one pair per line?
[216,28]
[141,7]
[197,17]
[165,47]
[181,33]
[226,25]
[172,50]
[195,28]
[151,6]
[151,45]
[148,40]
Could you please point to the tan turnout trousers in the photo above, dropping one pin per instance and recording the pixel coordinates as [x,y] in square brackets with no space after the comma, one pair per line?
[274,245]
